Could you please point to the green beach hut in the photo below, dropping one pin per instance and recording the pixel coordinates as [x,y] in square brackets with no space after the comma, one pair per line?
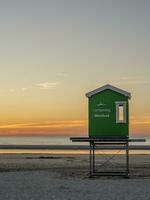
[108,112]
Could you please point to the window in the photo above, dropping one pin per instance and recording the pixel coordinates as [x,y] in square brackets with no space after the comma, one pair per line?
[121,112]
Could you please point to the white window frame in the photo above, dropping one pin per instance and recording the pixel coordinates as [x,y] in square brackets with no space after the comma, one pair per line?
[121,103]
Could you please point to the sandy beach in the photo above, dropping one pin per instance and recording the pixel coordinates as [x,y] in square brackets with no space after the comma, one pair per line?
[45,176]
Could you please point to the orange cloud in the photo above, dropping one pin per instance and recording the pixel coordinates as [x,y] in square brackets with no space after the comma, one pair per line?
[140,120]
[140,125]
[72,127]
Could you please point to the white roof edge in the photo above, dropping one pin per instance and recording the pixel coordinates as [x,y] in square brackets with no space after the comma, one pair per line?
[108,86]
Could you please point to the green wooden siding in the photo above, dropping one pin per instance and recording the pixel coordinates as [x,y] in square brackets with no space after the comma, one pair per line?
[102,115]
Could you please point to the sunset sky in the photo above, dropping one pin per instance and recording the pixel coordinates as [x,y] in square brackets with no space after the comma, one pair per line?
[54,51]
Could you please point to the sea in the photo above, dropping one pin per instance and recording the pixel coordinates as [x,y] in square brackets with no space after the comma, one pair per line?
[50,140]
[35,140]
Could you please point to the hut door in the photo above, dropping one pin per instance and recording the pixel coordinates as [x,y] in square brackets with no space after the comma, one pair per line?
[121,112]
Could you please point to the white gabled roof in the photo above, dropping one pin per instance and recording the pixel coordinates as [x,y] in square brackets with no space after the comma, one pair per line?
[110,87]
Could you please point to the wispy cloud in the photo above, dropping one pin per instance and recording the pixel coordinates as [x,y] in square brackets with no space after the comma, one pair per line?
[130,81]
[12,90]
[47,85]
[62,74]
[41,85]
[24,89]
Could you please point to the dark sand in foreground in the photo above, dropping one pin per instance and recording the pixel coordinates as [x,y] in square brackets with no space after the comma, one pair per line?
[41,176]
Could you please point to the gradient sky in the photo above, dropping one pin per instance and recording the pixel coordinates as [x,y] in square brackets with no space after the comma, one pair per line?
[54,51]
